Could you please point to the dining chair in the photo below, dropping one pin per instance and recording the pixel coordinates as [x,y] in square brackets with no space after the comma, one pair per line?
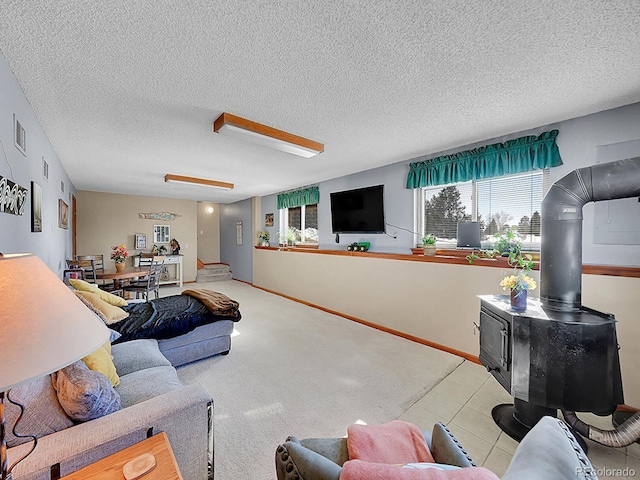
[150,283]
[87,266]
[98,267]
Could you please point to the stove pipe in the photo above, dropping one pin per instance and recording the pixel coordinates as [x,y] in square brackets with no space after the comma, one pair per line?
[561,249]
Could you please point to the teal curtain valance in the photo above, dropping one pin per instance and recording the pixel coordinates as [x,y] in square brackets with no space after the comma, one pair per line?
[305,196]
[514,156]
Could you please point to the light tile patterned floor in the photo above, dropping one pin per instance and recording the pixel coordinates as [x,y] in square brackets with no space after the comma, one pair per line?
[463,401]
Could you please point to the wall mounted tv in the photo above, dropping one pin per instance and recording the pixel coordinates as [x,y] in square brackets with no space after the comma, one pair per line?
[358,211]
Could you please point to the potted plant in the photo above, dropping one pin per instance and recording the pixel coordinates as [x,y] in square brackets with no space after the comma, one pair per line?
[263,237]
[119,256]
[520,282]
[288,237]
[507,243]
[429,244]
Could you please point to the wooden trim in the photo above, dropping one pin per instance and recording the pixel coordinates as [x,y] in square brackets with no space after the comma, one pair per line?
[199,181]
[230,119]
[200,264]
[422,341]
[443,257]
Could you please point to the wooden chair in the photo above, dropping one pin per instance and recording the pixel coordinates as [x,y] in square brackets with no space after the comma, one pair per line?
[98,267]
[150,283]
[87,266]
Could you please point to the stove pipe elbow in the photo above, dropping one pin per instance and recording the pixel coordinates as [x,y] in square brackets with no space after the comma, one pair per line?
[561,226]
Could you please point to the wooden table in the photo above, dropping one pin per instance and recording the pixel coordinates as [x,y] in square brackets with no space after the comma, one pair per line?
[110,468]
[127,273]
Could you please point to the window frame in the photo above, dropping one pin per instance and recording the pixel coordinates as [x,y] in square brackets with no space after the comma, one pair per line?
[420,205]
[284,224]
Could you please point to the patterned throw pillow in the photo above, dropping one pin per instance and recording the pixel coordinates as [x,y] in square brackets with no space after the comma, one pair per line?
[83,393]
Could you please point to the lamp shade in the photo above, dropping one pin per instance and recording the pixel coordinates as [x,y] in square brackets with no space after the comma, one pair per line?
[43,325]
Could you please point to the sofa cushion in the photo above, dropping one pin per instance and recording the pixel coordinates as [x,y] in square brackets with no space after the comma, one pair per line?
[144,384]
[137,355]
[43,414]
[104,295]
[83,393]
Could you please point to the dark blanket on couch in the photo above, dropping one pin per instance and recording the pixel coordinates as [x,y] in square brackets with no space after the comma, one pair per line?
[166,317]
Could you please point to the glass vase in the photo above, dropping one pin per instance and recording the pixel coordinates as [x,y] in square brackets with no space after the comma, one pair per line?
[518,300]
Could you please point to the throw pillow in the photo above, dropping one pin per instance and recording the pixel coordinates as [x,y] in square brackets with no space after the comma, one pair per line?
[82,285]
[396,442]
[42,416]
[371,470]
[85,394]
[100,361]
[111,312]
[110,298]
[91,307]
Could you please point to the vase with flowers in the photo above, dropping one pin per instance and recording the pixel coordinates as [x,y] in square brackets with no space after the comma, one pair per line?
[520,282]
[119,256]
[264,237]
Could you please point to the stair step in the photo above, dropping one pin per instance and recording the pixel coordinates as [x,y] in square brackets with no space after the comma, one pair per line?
[212,277]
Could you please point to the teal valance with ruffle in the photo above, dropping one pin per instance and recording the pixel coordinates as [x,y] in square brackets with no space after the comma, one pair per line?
[296,198]
[520,155]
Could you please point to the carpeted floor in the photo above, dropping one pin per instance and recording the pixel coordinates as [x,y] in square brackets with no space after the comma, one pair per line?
[295,370]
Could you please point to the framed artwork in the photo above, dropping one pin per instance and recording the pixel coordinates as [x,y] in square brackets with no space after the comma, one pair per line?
[13,197]
[268,220]
[141,241]
[161,234]
[45,169]
[36,207]
[238,233]
[63,214]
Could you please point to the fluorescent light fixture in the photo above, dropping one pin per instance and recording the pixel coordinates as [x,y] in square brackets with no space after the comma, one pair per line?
[244,129]
[198,181]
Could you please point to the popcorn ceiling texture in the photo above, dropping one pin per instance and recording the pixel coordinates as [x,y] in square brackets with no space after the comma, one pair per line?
[135,86]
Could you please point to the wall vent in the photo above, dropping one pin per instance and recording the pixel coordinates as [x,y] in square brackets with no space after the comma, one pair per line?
[20,136]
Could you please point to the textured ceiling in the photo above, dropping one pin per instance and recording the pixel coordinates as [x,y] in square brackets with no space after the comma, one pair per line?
[134,86]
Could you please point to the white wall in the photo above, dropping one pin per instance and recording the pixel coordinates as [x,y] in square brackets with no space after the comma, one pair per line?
[208,232]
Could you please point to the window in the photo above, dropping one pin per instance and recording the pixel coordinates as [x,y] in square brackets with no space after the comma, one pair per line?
[304,221]
[498,203]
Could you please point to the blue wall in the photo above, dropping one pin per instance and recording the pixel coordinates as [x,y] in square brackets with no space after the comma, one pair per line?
[53,244]
[238,257]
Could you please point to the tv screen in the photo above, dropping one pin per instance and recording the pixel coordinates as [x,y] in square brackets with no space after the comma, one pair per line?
[358,211]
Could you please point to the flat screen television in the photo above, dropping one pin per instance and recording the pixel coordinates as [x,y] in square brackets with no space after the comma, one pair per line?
[358,211]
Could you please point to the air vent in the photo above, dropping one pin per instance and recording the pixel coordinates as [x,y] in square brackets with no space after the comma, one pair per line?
[45,169]
[61,186]
[20,136]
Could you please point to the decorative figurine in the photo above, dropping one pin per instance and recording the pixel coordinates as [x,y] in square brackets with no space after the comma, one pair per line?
[175,247]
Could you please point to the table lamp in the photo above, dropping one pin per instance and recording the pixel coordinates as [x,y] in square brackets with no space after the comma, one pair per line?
[43,328]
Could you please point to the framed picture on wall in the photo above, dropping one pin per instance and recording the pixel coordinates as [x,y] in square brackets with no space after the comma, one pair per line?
[63,214]
[161,234]
[268,220]
[36,207]
[141,241]
[238,233]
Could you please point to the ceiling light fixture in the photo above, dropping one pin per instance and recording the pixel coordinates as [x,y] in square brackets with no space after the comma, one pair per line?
[263,135]
[199,181]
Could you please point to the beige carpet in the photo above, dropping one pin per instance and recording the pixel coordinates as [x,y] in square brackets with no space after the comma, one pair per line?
[295,370]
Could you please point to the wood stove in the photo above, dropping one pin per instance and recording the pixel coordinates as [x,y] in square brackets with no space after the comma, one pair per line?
[549,360]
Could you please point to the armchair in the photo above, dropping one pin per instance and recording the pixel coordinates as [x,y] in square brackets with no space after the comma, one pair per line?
[548,451]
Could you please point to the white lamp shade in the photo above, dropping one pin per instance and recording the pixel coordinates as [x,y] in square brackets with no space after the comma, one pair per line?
[43,325]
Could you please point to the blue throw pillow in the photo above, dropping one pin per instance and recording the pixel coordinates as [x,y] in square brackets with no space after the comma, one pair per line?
[113,335]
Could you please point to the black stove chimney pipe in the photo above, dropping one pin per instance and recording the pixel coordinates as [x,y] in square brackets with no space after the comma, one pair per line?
[561,249]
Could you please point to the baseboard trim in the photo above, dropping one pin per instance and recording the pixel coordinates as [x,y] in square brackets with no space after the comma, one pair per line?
[422,341]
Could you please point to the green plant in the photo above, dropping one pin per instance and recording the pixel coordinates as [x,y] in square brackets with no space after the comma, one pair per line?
[429,239]
[507,243]
[288,236]
[520,279]
[263,236]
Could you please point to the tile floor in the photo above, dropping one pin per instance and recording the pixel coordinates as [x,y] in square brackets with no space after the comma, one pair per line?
[463,401]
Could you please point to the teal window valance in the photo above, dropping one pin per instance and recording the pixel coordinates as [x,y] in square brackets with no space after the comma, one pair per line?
[305,196]
[514,156]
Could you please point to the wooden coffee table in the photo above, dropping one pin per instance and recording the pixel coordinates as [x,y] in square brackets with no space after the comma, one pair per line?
[110,468]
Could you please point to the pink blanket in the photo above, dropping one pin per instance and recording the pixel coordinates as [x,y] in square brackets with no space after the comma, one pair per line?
[396,442]
[359,470]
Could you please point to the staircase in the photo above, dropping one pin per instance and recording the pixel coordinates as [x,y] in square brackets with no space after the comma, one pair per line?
[213,273]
